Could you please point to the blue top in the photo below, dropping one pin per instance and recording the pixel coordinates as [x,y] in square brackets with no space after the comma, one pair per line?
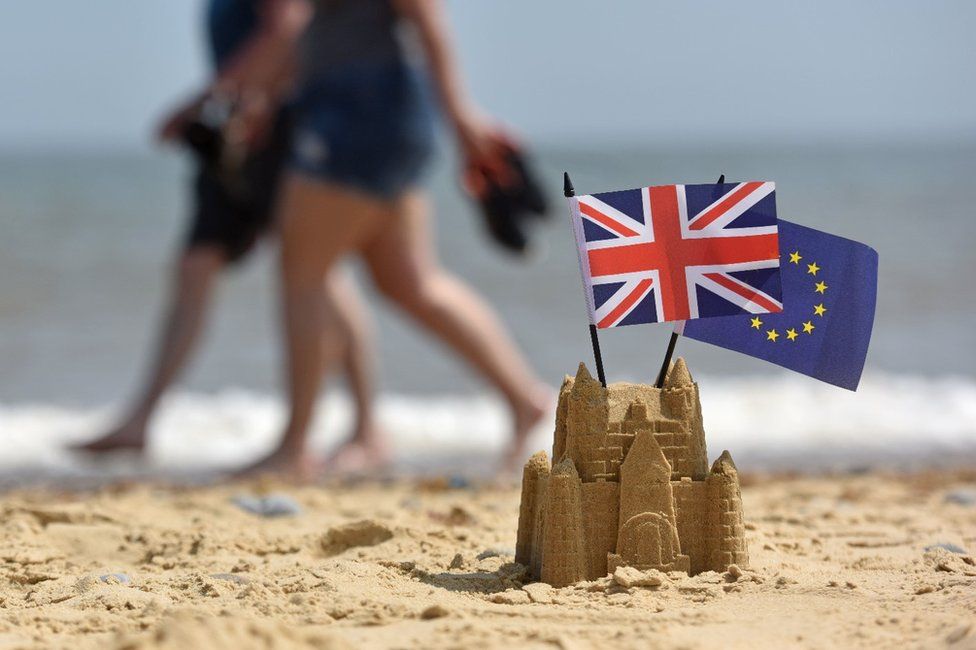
[229,24]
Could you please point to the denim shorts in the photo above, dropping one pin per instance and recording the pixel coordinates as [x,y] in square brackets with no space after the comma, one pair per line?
[368,126]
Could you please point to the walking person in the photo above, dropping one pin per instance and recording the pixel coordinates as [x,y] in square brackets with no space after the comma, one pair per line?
[232,211]
[363,138]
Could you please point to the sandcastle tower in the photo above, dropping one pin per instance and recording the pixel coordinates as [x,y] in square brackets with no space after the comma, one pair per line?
[631,486]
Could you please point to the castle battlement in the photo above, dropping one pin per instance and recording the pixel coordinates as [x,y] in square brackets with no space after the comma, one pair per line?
[631,486]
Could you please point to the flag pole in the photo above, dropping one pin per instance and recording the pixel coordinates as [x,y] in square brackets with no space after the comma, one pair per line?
[674,336]
[569,192]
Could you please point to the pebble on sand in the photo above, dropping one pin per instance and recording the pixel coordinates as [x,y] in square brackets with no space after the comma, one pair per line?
[272,505]
[962,497]
[496,552]
[952,548]
[119,578]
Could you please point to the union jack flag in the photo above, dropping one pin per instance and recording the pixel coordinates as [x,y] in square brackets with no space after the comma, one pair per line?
[678,252]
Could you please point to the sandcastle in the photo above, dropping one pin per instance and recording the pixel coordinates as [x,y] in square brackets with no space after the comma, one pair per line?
[630,486]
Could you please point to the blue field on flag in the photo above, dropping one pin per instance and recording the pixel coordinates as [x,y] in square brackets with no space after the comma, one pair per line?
[829,294]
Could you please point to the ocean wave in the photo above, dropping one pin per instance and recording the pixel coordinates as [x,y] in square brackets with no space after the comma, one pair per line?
[780,422]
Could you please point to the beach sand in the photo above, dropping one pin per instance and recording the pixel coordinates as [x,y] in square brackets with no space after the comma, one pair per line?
[835,562]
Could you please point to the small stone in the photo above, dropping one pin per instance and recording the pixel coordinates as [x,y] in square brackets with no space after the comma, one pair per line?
[924,589]
[458,482]
[962,497]
[735,572]
[495,552]
[231,577]
[539,592]
[434,611]
[115,578]
[272,505]
[511,597]
[457,562]
[952,548]
[627,576]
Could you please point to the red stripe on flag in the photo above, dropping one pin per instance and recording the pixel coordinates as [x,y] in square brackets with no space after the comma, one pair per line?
[728,202]
[673,257]
[745,292]
[606,221]
[625,304]
[621,259]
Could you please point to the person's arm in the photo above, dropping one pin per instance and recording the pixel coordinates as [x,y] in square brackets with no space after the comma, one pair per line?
[255,77]
[265,62]
[475,134]
[173,122]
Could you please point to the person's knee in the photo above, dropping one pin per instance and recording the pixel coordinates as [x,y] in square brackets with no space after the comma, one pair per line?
[415,294]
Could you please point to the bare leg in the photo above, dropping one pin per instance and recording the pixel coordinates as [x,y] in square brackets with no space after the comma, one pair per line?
[403,262]
[319,223]
[366,449]
[189,301]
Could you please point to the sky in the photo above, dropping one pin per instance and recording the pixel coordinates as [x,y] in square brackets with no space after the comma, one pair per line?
[98,73]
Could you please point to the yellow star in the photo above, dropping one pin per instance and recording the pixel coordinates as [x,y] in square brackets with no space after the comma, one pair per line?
[819,309]
[812,268]
[795,258]
[791,334]
[808,327]
[820,287]
[756,323]
[772,335]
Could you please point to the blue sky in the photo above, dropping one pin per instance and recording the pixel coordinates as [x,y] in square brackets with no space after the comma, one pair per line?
[98,72]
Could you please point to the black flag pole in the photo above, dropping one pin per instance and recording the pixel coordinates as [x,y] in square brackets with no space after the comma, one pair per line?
[568,192]
[674,337]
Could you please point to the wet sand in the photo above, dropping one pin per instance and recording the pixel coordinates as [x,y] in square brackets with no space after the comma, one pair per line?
[835,562]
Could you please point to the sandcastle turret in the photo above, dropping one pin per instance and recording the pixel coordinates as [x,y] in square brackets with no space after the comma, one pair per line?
[630,485]
[725,531]
[534,478]
[562,547]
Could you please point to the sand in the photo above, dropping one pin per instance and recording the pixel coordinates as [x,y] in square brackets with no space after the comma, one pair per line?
[836,562]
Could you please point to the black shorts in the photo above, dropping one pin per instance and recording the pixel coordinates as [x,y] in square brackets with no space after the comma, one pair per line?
[232,213]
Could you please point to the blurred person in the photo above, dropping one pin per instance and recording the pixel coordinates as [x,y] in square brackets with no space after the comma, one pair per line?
[234,204]
[364,134]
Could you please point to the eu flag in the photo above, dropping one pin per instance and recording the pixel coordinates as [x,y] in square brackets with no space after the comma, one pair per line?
[830,286]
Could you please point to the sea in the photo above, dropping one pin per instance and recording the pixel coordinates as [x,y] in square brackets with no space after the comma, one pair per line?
[86,247]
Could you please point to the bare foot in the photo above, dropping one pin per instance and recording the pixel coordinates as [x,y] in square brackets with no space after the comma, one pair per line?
[286,464]
[526,416]
[360,455]
[131,436]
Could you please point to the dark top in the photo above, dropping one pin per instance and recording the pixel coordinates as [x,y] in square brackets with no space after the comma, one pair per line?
[229,24]
[346,32]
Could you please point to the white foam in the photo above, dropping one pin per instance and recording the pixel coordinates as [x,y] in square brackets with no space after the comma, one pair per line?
[785,420]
